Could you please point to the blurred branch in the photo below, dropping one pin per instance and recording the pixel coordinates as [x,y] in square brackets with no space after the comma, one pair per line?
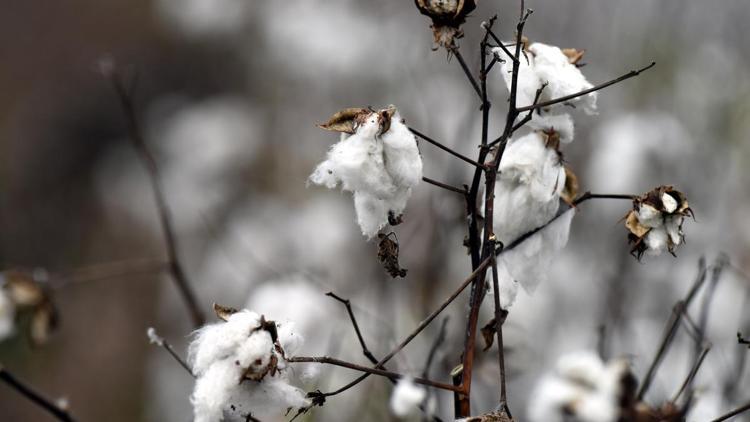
[500,316]
[562,99]
[733,413]
[106,271]
[444,186]
[136,136]
[466,70]
[434,348]
[156,339]
[55,410]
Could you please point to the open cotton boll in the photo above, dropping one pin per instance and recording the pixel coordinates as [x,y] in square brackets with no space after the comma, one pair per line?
[372,213]
[402,159]
[239,366]
[7,314]
[406,397]
[582,388]
[656,240]
[563,78]
[528,81]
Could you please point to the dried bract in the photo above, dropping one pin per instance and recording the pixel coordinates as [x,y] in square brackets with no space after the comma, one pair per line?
[655,222]
[388,254]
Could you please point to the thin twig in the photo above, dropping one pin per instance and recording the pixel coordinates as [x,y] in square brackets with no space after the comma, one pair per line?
[691,375]
[733,413]
[136,136]
[362,343]
[158,340]
[444,186]
[564,98]
[369,371]
[446,149]
[434,348]
[37,398]
[466,70]
[500,315]
[106,271]
[422,325]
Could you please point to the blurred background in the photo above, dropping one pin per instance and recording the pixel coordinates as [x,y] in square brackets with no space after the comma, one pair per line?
[228,92]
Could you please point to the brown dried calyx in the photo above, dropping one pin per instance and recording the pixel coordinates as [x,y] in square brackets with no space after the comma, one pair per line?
[349,119]
[447,17]
[574,55]
[388,254]
[29,295]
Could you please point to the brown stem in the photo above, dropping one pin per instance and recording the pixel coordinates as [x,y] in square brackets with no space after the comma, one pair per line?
[136,136]
[562,99]
[466,70]
[353,320]
[369,371]
[34,396]
[500,315]
[444,186]
[422,325]
[446,149]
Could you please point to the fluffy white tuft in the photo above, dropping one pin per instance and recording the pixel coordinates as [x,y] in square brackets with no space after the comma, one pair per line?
[406,397]
[582,388]
[380,170]
[153,337]
[222,353]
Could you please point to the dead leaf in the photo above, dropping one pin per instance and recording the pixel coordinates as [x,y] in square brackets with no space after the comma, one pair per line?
[224,312]
[488,334]
[388,255]
[345,120]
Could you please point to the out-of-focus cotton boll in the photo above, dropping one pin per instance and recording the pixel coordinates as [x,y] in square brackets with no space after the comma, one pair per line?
[582,388]
[406,397]
[7,313]
[238,366]
[204,18]
[379,168]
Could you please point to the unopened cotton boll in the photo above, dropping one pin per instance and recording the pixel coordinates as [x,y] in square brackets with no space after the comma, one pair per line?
[406,397]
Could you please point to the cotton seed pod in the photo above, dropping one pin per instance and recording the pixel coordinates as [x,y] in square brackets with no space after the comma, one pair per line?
[447,17]
[656,220]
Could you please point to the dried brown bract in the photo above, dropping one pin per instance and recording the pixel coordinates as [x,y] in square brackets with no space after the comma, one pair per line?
[447,17]
[388,254]
[574,56]
[30,296]
[224,312]
[655,222]
[346,120]
[570,191]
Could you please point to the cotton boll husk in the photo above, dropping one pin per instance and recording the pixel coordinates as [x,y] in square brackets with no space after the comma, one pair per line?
[563,78]
[561,123]
[372,213]
[406,397]
[7,314]
[529,262]
[656,240]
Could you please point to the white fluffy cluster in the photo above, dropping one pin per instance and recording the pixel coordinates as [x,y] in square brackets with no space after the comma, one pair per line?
[379,168]
[664,227]
[406,397]
[224,356]
[582,388]
[548,64]
[527,196]
[7,313]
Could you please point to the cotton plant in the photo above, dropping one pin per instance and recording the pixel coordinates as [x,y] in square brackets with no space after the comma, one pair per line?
[376,159]
[240,367]
[655,222]
[582,388]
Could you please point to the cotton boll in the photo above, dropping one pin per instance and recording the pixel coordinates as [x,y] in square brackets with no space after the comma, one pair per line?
[656,241]
[216,341]
[372,213]
[562,77]
[673,226]
[668,202]
[406,397]
[649,216]
[213,388]
[528,81]
[402,159]
[255,352]
[265,400]
[584,367]
[7,314]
